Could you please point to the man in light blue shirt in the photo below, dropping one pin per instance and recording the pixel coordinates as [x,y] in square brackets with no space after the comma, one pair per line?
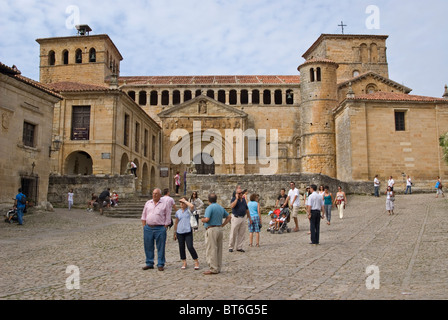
[214,214]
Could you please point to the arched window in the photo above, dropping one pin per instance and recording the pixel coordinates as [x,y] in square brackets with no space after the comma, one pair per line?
[198,93]
[51,58]
[92,55]
[222,96]
[355,73]
[318,74]
[142,98]
[78,56]
[267,96]
[132,94]
[373,53]
[244,97]
[153,98]
[289,96]
[176,97]
[65,57]
[312,75]
[187,95]
[255,96]
[371,88]
[232,97]
[211,94]
[165,98]
[278,97]
[364,54]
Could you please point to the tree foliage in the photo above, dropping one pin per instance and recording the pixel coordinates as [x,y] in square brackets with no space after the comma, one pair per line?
[444,144]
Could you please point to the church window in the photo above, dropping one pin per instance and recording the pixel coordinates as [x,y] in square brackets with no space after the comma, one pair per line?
[145,143]
[312,74]
[400,121]
[165,98]
[187,95]
[371,88]
[80,123]
[78,56]
[318,74]
[289,97]
[267,97]
[373,53]
[92,55]
[222,96]
[211,94]
[244,97]
[355,73]
[278,97]
[137,137]
[232,97]
[255,96]
[176,97]
[29,131]
[153,148]
[51,58]
[142,98]
[127,120]
[364,53]
[132,95]
[65,57]
[153,98]
[198,93]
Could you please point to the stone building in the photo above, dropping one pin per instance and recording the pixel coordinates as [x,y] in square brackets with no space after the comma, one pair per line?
[339,116]
[26,138]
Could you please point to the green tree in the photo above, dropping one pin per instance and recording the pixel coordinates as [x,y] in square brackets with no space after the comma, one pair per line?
[444,144]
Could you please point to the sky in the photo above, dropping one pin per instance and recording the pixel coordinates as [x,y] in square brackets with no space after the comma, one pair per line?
[233,37]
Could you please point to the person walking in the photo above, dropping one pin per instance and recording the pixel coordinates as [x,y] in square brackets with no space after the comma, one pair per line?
[255,219]
[408,185]
[213,223]
[328,203]
[183,232]
[390,199]
[238,223]
[293,200]
[20,203]
[315,210]
[391,183]
[340,202]
[156,218]
[439,188]
[198,205]
[177,182]
[70,199]
[376,185]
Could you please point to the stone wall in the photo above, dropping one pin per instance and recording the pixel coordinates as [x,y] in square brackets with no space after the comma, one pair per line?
[84,186]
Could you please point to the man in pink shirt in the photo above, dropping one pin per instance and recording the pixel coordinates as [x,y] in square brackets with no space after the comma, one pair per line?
[156,218]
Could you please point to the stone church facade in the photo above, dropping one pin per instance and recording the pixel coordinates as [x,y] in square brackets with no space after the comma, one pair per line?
[340,115]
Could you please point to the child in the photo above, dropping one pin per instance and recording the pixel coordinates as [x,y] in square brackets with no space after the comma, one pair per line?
[281,220]
[70,199]
[272,223]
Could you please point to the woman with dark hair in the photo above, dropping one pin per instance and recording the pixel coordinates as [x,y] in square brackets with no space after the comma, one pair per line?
[340,202]
[390,198]
[255,219]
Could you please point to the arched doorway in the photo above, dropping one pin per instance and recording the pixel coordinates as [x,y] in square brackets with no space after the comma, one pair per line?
[145,180]
[124,164]
[78,162]
[204,163]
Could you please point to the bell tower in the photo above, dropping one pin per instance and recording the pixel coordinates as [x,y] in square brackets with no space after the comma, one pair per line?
[84,58]
[318,89]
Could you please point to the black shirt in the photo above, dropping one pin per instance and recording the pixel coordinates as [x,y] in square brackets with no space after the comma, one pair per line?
[240,208]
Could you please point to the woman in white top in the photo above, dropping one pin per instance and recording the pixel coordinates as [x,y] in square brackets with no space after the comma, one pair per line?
[198,204]
[408,185]
[340,201]
[390,198]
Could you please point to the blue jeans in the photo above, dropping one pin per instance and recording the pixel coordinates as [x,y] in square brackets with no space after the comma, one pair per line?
[155,235]
[408,188]
[377,191]
[20,214]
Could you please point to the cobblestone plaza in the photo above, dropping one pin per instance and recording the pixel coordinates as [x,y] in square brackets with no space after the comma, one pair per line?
[367,255]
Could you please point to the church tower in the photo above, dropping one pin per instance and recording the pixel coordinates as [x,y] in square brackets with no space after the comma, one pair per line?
[85,58]
[318,88]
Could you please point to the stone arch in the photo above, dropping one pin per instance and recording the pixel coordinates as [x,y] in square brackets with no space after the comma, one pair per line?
[142,98]
[371,88]
[92,55]
[146,183]
[65,56]
[373,53]
[124,164]
[78,56]
[51,58]
[364,53]
[152,179]
[78,162]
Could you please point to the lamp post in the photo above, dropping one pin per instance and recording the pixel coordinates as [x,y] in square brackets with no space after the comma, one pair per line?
[55,146]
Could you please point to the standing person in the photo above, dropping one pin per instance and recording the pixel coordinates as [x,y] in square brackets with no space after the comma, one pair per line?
[439,188]
[91,204]
[171,202]
[238,225]
[390,183]
[184,234]
[134,168]
[340,201]
[185,182]
[315,209]
[390,198]
[20,203]
[293,200]
[104,200]
[321,190]
[156,218]
[408,185]
[70,199]
[376,185]
[255,219]
[214,214]
[198,205]
[281,199]
[328,203]
[177,182]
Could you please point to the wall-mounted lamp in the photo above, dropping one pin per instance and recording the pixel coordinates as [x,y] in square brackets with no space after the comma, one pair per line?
[55,146]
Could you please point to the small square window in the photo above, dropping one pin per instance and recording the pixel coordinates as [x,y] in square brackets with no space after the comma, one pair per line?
[400,121]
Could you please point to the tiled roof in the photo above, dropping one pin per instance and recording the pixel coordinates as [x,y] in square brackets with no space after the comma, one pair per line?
[251,79]
[67,86]
[317,60]
[15,73]
[395,96]
[375,76]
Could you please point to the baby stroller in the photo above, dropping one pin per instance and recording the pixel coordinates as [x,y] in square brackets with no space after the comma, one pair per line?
[11,216]
[283,227]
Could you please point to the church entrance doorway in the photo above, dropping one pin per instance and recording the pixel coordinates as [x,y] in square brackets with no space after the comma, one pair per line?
[204,163]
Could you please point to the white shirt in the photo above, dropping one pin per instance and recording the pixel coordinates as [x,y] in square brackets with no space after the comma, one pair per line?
[376,182]
[315,201]
[391,183]
[70,196]
[294,193]
[409,182]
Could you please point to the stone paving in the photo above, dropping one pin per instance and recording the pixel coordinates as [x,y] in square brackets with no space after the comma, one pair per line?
[409,249]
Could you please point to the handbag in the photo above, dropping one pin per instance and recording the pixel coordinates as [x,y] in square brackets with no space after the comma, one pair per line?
[193,222]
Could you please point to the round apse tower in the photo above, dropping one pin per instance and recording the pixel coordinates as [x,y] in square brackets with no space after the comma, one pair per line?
[318,89]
